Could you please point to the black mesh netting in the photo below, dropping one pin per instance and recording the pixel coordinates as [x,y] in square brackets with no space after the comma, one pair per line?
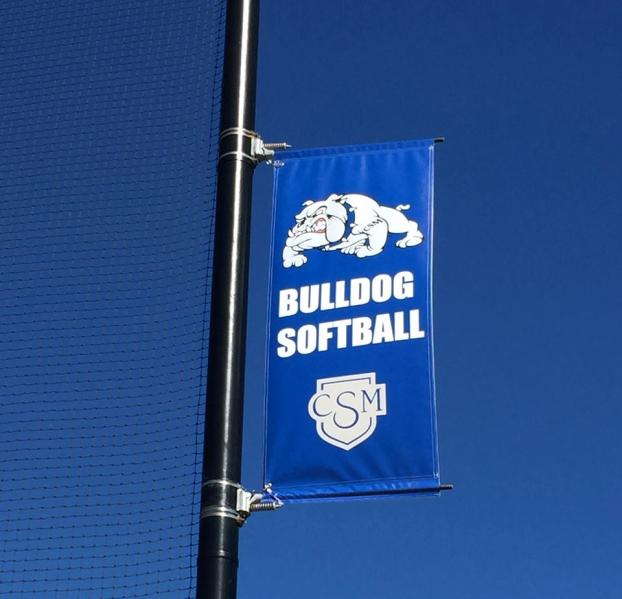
[108,134]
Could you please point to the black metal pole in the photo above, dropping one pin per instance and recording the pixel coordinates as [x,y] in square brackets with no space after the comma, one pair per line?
[222,453]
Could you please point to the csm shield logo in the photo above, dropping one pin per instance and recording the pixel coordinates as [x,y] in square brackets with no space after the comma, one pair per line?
[346,408]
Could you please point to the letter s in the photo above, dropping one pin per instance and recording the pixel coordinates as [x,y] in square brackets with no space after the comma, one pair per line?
[287,345]
[354,415]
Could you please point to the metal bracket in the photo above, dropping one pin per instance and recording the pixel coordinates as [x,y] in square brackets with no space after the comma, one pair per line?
[221,482]
[246,502]
[246,145]
[263,152]
[253,501]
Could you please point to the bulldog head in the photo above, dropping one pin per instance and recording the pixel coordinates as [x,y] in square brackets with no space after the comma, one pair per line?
[318,224]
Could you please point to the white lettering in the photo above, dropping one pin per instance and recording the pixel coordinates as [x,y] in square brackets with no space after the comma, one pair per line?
[342,332]
[359,291]
[309,299]
[288,304]
[399,333]
[361,331]
[340,295]
[381,288]
[348,332]
[415,331]
[324,334]
[383,329]
[326,303]
[287,346]
[404,285]
[307,339]
[355,332]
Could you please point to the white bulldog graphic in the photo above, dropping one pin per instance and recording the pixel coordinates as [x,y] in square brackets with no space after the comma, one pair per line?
[318,225]
[323,223]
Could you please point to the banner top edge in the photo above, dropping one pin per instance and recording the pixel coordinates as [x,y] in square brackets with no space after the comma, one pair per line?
[354,148]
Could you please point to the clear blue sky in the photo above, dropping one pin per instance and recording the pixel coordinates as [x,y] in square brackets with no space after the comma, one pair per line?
[528,288]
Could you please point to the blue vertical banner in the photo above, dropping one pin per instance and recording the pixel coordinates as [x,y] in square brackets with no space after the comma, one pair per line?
[350,408]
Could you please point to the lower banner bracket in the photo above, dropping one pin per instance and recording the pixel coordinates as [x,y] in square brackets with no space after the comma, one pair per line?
[253,501]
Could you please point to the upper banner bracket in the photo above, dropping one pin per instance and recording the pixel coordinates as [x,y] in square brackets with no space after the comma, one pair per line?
[237,143]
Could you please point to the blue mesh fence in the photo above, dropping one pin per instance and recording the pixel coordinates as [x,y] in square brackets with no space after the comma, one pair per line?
[108,137]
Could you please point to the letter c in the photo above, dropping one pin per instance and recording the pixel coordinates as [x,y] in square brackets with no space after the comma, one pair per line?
[316,398]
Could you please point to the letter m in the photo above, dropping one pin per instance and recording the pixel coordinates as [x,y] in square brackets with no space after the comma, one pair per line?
[377,401]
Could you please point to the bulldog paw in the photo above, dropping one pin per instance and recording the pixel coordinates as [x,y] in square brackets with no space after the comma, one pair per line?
[409,241]
[296,261]
[364,251]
